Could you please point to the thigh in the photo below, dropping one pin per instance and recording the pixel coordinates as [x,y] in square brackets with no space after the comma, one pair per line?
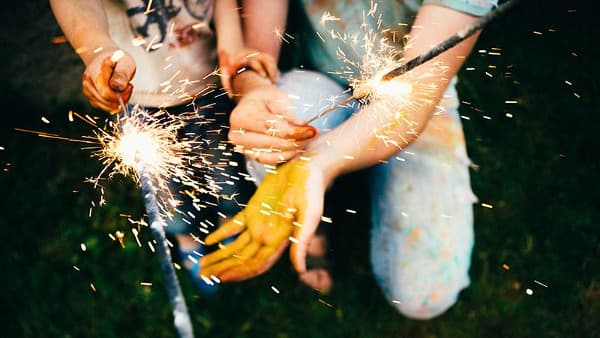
[422,218]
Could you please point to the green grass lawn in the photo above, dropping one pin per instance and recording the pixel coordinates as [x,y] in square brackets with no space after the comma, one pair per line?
[537,166]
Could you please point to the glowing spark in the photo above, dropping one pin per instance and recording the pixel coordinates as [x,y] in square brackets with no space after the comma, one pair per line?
[529,292]
[328,17]
[116,56]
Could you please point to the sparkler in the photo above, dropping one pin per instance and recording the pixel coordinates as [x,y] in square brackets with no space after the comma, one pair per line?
[378,80]
[141,148]
[146,146]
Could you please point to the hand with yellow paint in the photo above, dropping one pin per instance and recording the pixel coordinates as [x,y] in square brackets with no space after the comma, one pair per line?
[289,202]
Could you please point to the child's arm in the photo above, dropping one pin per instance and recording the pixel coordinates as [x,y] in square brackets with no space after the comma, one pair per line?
[108,70]
[238,51]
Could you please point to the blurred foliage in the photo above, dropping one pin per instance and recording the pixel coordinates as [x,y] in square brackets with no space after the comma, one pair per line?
[538,169]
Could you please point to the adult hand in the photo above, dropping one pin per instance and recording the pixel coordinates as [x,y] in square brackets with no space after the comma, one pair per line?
[287,203]
[107,76]
[263,122]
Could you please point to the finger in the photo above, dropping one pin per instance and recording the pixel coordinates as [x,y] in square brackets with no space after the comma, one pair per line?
[268,64]
[308,221]
[259,141]
[249,251]
[246,254]
[95,99]
[123,72]
[219,268]
[229,229]
[255,64]
[274,158]
[253,114]
[227,251]
[264,259]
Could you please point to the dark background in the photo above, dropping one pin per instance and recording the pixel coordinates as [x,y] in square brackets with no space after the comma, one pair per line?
[538,169]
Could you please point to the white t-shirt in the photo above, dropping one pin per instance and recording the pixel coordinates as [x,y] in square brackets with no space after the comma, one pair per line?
[173,45]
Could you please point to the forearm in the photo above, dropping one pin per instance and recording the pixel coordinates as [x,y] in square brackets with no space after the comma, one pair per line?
[84,24]
[228,27]
[389,125]
[262,20]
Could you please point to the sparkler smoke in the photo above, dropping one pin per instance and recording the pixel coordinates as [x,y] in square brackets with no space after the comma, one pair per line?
[378,54]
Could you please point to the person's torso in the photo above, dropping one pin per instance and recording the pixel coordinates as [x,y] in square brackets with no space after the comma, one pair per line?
[172,43]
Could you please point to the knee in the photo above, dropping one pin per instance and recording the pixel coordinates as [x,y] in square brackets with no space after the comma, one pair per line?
[418,301]
[422,304]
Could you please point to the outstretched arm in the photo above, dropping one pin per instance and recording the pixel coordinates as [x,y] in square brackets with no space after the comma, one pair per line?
[349,147]
[396,119]
[107,73]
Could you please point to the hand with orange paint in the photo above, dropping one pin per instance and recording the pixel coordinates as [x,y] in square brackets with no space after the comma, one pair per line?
[246,59]
[288,203]
[263,125]
[106,76]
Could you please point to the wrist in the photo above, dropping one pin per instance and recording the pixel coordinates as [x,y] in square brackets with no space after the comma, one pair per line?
[324,160]
[106,46]
[245,79]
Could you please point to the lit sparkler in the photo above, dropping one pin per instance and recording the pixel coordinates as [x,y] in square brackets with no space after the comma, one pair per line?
[378,65]
[147,147]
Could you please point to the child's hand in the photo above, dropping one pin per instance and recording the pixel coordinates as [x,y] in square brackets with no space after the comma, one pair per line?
[264,127]
[263,64]
[107,76]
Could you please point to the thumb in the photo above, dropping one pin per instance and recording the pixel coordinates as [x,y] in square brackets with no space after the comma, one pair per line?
[123,72]
[308,220]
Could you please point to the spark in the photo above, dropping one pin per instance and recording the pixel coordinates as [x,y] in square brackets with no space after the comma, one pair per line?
[368,54]
[151,140]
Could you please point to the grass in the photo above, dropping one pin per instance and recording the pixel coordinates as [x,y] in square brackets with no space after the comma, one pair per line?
[537,169]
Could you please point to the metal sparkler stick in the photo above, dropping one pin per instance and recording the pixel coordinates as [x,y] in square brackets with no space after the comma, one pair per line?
[443,46]
[181,317]
[332,108]
[452,41]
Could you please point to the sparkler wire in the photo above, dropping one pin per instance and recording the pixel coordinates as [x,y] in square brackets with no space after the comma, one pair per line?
[181,317]
[452,41]
[443,46]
